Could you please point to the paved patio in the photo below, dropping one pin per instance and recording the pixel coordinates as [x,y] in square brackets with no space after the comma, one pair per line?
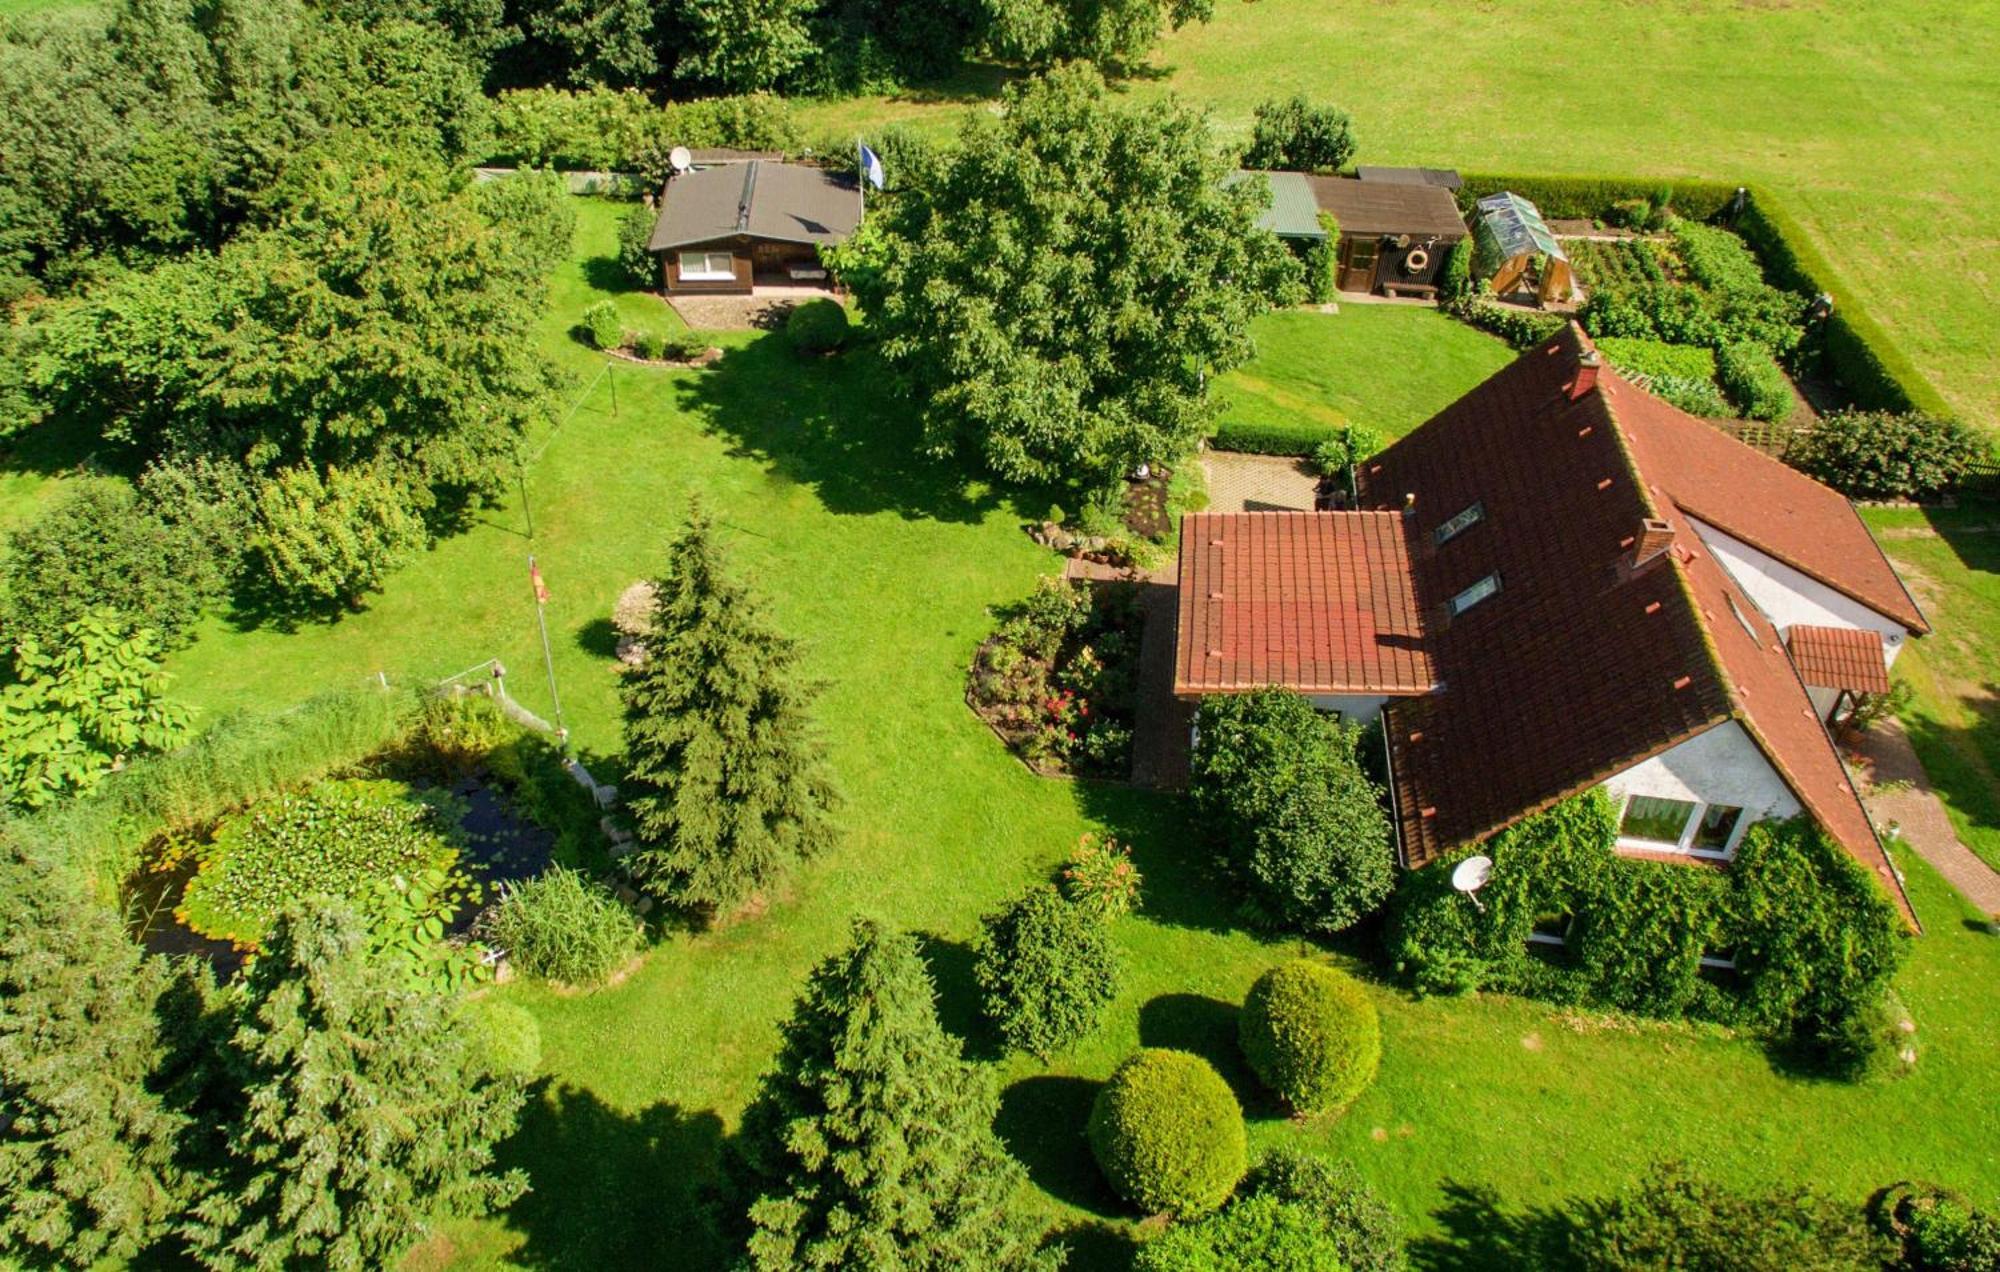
[1259,483]
[765,309]
[1919,816]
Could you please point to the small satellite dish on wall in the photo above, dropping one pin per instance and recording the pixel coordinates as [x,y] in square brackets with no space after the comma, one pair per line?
[680,157]
[1470,875]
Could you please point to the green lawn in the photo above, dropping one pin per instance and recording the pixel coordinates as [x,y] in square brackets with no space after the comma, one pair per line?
[885,567]
[1806,98]
[1950,557]
[1389,367]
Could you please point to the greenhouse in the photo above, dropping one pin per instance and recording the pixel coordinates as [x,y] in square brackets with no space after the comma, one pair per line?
[1522,250]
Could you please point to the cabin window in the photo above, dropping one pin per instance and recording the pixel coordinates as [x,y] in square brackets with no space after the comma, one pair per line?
[707,267]
[1656,820]
[1459,523]
[1478,592]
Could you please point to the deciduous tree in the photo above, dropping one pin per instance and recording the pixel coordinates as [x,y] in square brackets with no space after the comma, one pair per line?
[1060,296]
[871,1141]
[731,783]
[1296,135]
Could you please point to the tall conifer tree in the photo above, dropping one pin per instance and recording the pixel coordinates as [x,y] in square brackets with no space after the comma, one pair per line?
[732,783]
[86,1148]
[365,1110]
[872,1140]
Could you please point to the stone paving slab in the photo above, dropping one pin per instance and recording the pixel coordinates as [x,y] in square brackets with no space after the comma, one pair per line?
[1919,816]
[1259,483]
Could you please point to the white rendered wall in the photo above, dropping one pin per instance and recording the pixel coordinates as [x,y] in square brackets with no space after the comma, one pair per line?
[1789,598]
[1721,766]
[1353,708]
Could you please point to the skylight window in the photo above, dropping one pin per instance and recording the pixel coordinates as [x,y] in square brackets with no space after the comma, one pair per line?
[1459,523]
[1478,592]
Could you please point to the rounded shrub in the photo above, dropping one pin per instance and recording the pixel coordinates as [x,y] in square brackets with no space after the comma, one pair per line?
[1168,1133]
[818,326]
[562,927]
[1047,968]
[505,1037]
[650,345]
[602,325]
[1311,1034]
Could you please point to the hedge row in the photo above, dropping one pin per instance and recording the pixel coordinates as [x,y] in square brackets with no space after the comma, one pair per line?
[1293,437]
[1591,197]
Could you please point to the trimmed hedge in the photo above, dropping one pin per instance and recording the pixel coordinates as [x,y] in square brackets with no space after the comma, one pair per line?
[1522,328]
[1168,1133]
[1889,454]
[1754,382]
[1592,198]
[1294,437]
[1815,940]
[1311,1034]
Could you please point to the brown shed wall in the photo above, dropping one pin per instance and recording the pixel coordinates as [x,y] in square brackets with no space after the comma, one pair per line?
[739,254]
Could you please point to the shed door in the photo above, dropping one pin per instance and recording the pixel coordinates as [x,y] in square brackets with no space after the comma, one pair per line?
[1357,263]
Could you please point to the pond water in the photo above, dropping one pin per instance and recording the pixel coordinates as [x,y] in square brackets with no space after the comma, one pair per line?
[501,845]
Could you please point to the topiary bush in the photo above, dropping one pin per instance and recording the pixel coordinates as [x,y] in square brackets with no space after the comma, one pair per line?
[1455,279]
[1302,828]
[1889,454]
[1168,1133]
[1311,1034]
[562,927]
[1753,381]
[602,325]
[1047,968]
[817,327]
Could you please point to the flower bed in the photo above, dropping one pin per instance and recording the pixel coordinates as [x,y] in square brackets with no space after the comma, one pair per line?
[1058,679]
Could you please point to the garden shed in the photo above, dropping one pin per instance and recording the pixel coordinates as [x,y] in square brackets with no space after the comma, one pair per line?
[1294,212]
[1519,247]
[734,226]
[1393,234]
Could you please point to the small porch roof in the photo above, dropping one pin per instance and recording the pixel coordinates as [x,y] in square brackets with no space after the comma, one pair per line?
[1294,212]
[1839,658]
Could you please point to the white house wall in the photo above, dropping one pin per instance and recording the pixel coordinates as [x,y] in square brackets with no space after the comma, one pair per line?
[1790,598]
[1721,766]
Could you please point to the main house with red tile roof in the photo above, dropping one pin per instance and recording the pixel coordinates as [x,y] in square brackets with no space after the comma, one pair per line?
[1561,582]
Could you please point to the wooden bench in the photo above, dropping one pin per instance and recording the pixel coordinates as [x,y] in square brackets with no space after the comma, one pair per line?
[1425,291]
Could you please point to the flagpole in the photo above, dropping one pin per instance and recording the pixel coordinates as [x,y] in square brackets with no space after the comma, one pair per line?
[548,659]
[861,174]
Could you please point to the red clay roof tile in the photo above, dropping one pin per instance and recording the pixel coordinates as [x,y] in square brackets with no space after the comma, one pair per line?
[1839,658]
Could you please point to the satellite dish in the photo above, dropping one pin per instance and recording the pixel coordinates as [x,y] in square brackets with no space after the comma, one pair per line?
[1470,875]
[680,157]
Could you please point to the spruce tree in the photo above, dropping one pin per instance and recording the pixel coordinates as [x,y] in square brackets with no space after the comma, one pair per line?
[871,1141]
[732,783]
[365,1110]
[86,1147]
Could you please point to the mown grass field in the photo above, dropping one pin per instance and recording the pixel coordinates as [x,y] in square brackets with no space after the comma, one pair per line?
[885,566]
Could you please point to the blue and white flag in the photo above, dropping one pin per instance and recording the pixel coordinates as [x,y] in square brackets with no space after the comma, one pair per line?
[871,166]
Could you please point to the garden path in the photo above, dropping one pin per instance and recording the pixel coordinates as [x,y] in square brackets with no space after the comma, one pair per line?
[1919,816]
[1161,723]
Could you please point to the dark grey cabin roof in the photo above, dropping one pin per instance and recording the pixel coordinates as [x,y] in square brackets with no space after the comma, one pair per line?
[1446,178]
[782,202]
[1389,207]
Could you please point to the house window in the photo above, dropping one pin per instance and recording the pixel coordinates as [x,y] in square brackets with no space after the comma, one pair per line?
[1658,824]
[1459,523]
[707,267]
[1716,827]
[1656,820]
[1478,592]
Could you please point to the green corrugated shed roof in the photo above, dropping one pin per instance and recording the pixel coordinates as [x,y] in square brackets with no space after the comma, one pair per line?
[1294,212]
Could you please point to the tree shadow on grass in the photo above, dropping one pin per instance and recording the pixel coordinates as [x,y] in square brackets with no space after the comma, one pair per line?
[831,424]
[606,274]
[1207,1027]
[610,1189]
[1042,1122]
[60,444]
[1480,1236]
[958,995]
[1180,887]
[598,638]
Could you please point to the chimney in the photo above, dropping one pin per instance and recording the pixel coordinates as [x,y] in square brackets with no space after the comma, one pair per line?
[1655,537]
[1586,374]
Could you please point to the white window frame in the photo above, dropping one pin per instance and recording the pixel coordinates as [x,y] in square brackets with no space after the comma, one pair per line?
[1459,522]
[708,273]
[1684,846]
[1471,596]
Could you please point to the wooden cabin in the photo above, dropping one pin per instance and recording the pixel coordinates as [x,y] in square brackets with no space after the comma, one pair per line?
[730,227]
[1393,234]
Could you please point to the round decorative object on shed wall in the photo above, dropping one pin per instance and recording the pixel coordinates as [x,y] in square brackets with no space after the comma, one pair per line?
[1415,262]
